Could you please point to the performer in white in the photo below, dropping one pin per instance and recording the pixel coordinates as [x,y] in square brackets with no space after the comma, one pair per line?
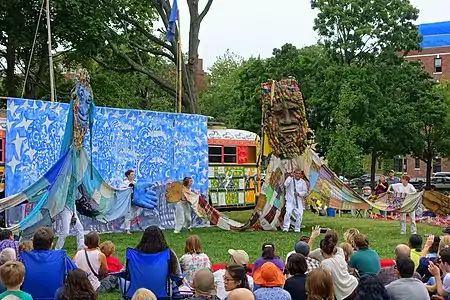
[405,187]
[296,189]
[135,211]
[183,208]
[66,219]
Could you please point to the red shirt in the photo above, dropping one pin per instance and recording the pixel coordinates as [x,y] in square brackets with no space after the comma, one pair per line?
[114,264]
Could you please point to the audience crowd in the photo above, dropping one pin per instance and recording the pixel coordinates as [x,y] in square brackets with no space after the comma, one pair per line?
[350,270]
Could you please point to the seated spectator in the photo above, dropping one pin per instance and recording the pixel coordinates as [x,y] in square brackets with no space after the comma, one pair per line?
[344,283]
[365,260]
[348,251]
[296,284]
[406,287]
[12,275]
[371,288]
[7,240]
[415,244]
[237,257]
[92,261]
[203,285]
[429,252]
[143,294]
[235,277]
[42,265]
[7,254]
[194,258]
[241,294]
[114,264]
[268,255]
[303,249]
[25,246]
[76,287]
[271,280]
[442,287]
[319,285]
[318,254]
[349,236]
[390,274]
[152,242]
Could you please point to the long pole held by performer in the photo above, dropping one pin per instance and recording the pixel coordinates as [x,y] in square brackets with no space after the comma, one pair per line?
[180,66]
[50,57]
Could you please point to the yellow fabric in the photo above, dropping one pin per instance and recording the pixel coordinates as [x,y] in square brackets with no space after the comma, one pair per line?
[415,257]
[267,149]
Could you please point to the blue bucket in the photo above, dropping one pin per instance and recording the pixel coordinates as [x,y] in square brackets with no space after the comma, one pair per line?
[331,212]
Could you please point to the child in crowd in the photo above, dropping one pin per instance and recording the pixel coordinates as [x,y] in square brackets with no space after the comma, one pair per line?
[114,264]
[143,294]
[12,274]
[26,246]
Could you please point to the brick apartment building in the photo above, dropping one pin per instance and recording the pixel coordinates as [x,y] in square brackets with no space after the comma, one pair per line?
[435,57]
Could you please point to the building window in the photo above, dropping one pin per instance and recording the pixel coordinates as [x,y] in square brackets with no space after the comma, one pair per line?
[438,65]
[397,164]
[2,150]
[229,154]
[417,163]
[437,165]
[215,154]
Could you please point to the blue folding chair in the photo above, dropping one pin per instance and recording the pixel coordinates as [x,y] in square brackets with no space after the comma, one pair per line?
[45,272]
[150,271]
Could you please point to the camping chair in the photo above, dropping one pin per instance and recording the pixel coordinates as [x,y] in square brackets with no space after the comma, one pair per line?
[150,271]
[46,272]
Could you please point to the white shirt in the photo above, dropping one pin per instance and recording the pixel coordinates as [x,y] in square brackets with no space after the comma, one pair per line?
[220,285]
[400,188]
[344,283]
[300,187]
[126,184]
[94,259]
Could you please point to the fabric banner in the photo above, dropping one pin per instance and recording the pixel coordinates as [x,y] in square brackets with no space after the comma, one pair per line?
[160,147]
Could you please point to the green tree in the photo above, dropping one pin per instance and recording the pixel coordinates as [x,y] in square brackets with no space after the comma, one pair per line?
[355,30]
[221,98]
[430,131]
[364,37]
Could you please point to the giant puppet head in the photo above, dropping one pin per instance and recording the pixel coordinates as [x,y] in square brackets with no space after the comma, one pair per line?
[83,107]
[284,118]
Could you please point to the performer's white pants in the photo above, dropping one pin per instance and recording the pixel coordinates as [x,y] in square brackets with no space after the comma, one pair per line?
[182,215]
[297,207]
[134,212]
[65,217]
[412,215]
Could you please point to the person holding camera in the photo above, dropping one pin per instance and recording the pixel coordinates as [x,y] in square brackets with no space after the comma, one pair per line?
[296,189]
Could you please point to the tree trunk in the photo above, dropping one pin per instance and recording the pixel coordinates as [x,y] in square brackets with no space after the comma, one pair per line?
[429,161]
[41,75]
[191,66]
[373,163]
[10,67]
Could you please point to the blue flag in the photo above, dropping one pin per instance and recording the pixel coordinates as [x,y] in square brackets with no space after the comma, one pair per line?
[171,28]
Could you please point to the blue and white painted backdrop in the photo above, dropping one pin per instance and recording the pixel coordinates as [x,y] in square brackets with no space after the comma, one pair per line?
[159,146]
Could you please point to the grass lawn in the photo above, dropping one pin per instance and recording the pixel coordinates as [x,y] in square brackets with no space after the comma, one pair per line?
[383,237]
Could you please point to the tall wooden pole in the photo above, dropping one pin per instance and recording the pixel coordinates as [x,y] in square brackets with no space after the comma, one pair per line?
[180,66]
[50,57]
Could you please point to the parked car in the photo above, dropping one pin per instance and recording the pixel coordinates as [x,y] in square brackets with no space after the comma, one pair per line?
[440,183]
[441,174]
[418,182]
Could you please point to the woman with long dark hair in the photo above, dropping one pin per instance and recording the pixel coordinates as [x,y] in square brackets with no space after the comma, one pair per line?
[76,287]
[235,277]
[268,255]
[153,241]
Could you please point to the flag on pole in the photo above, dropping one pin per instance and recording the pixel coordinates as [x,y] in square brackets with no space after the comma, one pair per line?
[173,18]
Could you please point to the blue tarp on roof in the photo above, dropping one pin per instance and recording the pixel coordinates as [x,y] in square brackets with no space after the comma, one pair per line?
[435,34]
